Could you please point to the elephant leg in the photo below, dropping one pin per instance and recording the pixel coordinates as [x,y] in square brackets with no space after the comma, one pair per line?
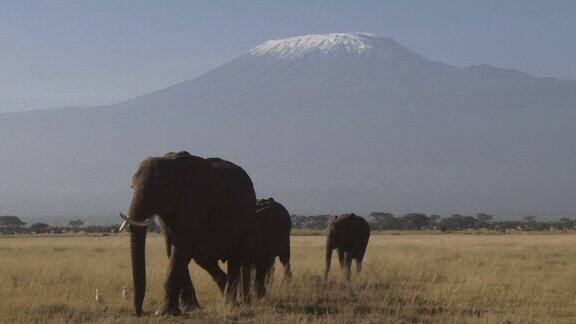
[358,265]
[285,260]
[270,273]
[188,294]
[328,260]
[215,272]
[246,281]
[360,256]
[348,265]
[179,260]
[341,258]
[232,279]
[260,279]
[359,259]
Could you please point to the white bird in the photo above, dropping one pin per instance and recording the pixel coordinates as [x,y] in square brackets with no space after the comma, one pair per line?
[126,294]
[99,297]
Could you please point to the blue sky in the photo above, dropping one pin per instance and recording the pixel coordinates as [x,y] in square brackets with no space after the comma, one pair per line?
[70,53]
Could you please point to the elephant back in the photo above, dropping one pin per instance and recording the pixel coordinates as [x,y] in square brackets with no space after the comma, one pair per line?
[275,226]
[349,230]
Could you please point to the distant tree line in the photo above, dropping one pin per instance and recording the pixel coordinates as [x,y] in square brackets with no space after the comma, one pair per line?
[457,222]
[380,221]
[315,222]
[13,225]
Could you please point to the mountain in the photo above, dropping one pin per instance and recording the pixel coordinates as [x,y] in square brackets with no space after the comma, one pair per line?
[324,123]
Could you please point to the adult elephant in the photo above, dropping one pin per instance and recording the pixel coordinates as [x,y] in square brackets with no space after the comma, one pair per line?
[349,235]
[275,226]
[207,210]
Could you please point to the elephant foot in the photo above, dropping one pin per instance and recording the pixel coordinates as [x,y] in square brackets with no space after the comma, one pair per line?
[168,310]
[190,305]
[260,293]
[188,301]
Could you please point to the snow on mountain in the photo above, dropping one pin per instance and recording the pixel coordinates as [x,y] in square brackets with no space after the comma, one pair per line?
[326,45]
[324,123]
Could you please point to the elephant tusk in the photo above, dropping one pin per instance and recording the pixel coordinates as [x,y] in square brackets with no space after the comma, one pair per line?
[135,222]
[123,226]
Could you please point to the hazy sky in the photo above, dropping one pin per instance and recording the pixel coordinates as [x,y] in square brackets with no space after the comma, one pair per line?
[68,53]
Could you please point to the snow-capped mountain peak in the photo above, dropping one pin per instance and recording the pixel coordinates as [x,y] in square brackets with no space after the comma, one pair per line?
[326,45]
[327,123]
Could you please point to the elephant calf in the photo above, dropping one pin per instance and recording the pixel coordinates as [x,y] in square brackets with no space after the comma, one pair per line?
[275,226]
[348,234]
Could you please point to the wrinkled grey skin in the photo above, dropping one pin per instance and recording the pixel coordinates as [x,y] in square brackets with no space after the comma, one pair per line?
[275,226]
[349,235]
[207,213]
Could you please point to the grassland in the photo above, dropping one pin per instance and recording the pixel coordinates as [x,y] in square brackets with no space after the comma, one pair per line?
[451,278]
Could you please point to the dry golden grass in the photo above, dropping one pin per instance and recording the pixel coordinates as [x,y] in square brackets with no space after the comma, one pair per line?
[451,278]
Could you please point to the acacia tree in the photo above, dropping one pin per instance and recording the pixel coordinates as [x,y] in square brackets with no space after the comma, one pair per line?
[529,222]
[39,228]
[416,221]
[484,219]
[11,222]
[566,223]
[384,220]
[310,222]
[434,219]
[459,222]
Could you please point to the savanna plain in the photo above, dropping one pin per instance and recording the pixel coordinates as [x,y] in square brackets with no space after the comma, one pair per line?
[406,277]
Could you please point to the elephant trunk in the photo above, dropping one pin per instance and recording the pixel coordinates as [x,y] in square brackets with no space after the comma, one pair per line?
[138,251]
[139,211]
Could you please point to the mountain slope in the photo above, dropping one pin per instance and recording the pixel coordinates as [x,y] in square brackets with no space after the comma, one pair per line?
[325,123]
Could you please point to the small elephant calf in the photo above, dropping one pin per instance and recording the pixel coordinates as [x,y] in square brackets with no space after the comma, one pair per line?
[349,235]
[275,226]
